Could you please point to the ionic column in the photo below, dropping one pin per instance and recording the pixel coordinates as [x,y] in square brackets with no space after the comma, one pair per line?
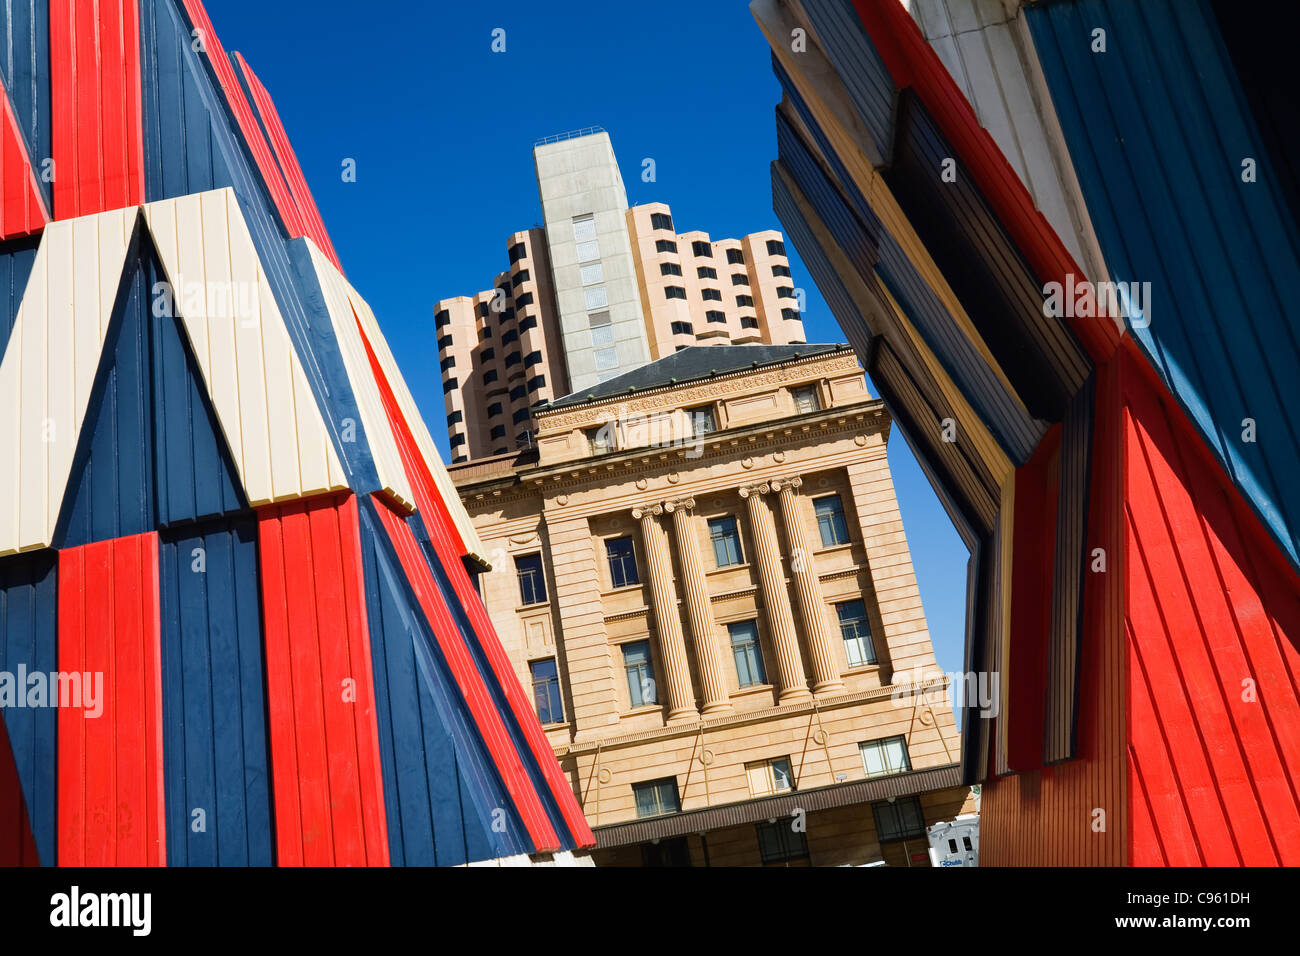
[700,609]
[821,642]
[772,579]
[672,647]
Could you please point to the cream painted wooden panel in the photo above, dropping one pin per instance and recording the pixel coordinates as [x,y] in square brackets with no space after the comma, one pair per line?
[451,498]
[338,295]
[49,368]
[277,436]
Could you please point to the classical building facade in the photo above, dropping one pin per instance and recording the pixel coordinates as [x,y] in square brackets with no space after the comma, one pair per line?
[600,290]
[700,574]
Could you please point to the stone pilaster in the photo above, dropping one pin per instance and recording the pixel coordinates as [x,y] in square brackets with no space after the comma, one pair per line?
[793,683]
[672,646]
[821,640]
[700,609]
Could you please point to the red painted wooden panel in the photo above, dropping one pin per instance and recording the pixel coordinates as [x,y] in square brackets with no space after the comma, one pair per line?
[1210,610]
[22,210]
[110,779]
[17,842]
[244,117]
[1033,557]
[325,770]
[1048,817]
[513,773]
[95,85]
[907,55]
[449,547]
[288,160]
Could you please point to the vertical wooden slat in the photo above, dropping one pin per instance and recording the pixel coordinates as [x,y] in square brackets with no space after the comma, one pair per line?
[111,765]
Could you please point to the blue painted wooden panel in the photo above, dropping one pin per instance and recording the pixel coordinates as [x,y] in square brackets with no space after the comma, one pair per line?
[193,144]
[440,786]
[983,266]
[488,676]
[16,258]
[150,451]
[29,640]
[872,250]
[859,67]
[214,700]
[1157,129]
[25,67]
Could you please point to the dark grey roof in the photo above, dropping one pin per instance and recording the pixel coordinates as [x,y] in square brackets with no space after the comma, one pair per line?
[691,364]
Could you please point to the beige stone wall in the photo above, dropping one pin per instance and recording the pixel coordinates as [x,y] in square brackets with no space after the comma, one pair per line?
[568,504]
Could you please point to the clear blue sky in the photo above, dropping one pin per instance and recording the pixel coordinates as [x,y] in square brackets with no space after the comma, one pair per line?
[442,128]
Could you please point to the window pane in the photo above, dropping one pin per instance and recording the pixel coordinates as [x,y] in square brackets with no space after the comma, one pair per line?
[532,581]
[830,521]
[745,649]
[622,562]
[640,675]
[726,541]
[782,778]
[546,691]
[856,634]
[584,227]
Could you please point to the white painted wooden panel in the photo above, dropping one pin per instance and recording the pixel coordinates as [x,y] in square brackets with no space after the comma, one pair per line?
[338,295]
[277,436]
[49,368]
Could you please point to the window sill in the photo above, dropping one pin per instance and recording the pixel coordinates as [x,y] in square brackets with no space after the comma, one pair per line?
[728,567]
[642,711]
[623,590]
[540,605]
[862,669]
[562,725]
[832,548]
[753,689]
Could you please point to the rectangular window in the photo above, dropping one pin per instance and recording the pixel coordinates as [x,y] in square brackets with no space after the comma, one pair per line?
[785,292]
[599,440]
[701,420]
[780,842]
[885,756]
[527,322]
[713,295]
[444,342]
[898,820]
[532,580]
[606,359]
[498,431]
[584,227]
[546,691]
[450,385]
[518,251]
[655,797]
[660,220]
[739,278]
[525,299]
[781,271]
[493,409]
[441,318]
[622,562]
[592,274]
[588,251]
[640,674]
[790,315]
[669,269]
[806,400]
[665,245]
[830,520]
[702,249]
[519,277]
[748,322]
[596,298]
[674,292]
[767,777]
[745,300]
[726,542]
[456,441]
[520,415]
[706,272]
[713,315]
[513,359]
[775,247]
[683,328]
[490,376]
[448,362]
[748,655]
[532,358]
[854,630]
[735,257]
[536,382]
[511,335]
